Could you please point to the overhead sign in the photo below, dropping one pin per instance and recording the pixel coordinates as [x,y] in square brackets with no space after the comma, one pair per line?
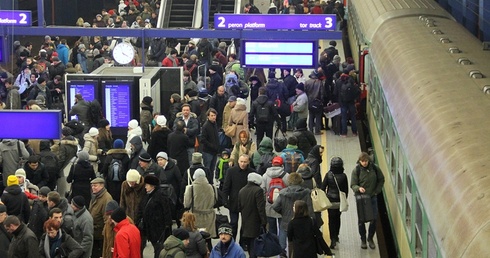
[274,21]
[15,18]
[287,54]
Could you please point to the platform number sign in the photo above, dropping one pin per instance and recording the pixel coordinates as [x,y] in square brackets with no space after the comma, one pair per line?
[15,18]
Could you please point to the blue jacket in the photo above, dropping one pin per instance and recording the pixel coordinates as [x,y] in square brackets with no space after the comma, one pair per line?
[62,53]
[234,251]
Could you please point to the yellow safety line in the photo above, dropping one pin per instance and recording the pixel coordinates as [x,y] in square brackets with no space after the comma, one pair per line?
[324,169]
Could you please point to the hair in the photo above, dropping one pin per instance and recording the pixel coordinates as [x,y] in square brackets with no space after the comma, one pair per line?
[300,209]
[179,126]
[54,197]
[211,110]
[262,90]
[11,220]
[364,157]
[246,156]
[232,56]
[293,140]
[185,55]
[54,210]
[186,105]
[243,134]
[51,224]
[188,221]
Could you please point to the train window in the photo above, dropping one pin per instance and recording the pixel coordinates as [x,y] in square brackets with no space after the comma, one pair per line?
[408,216]
[418,244]
[399,189]
[418,215]
[431,246]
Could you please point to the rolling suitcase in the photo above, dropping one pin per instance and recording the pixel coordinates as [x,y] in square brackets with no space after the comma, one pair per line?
[336,125]
[364,208]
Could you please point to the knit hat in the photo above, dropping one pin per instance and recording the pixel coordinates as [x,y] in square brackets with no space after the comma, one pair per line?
[196,158]
[103,123]
[147,100]
[118,215]
[173,51]
[180,233]
[20,172]
[98,180]
[83,155]
[301,123]
[133,124]
[176,97]
[44,191]
[161,120]
[277,161]
[145,157]
[93,132]
[226,151]
[133,176]
[304,169]
[232,99]
[295,178]
[300,87]
[162,155]
[152,180]
[12,180]
[240,101]
[81,46]
[225,228]
[254,178]
[192,93]
[78,201]
[40,80]
[118,144]
[111,206]
[55,58]
[3,208]
[214,68]
[199,173]
[4,75]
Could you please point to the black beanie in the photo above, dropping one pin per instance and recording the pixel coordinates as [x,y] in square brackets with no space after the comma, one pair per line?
[147,100]
[78,201]
[180,233]
[118,215]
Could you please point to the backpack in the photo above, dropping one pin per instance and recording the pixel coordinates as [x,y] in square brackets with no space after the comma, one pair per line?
[262,113]
[292,161]
[51,166]
[349,92]
[275,186]
[116,173]
[265,162]
[168,191]
[94,112]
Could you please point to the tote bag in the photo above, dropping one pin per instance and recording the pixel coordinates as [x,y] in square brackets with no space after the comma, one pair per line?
[319,199]
[344,205]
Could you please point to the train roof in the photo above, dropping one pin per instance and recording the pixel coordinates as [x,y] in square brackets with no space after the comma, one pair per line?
[439,106]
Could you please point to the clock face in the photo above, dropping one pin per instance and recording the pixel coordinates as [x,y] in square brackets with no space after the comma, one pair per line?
[123,53]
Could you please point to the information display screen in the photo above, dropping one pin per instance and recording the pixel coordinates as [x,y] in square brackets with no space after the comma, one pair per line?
[287,54]
[24,124]
[117,102]
[86,88]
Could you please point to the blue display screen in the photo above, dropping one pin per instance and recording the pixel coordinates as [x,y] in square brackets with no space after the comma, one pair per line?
[30,124]
[117,102]
[287,54]
[86,88]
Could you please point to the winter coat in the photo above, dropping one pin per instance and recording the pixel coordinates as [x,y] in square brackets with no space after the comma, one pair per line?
[5,238]
[251,203]
[105,139]
[97,210]
[131,198]
[69,246]
[37,90]
[226,115]
[197,246]
[152,169]
[285,201]
[218,103]
[83,231]
[200,198]
[238,116]
[39,215]
[62,51]
[301,234]
[158,48]
[9,156]
[134,133]
[192,126]
[13,100]
[173,176]
[81,110]
[38,177]
[234,250]
[290,83]
[314,89]
[67,150]
[306,138]
[263,101]
[272,172]
[178,143]
[300,105]
[91,146]
[80,176]
[24,243]
[209,138]
[109,237]
[265,147]
[173,110]
[114,187]
[370,177]
[158,142]
[235,180]
[314,161]
[68,215]
[146,115]
[16,202]
[330,186]
[238,149]
[127,242]
[173,246]
[136,151]
[154,215]
[190,174]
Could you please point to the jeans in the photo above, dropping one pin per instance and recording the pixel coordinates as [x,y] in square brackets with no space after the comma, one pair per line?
[209,162]
[189,156]
[334,223]
[234,224]
[315,120]
[348,111]
[372,224]
[262,129]
[275,228]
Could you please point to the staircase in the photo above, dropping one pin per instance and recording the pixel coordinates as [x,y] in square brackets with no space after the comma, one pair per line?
[181,14]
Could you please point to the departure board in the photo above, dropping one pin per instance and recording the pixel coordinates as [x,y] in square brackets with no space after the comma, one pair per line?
[117,102]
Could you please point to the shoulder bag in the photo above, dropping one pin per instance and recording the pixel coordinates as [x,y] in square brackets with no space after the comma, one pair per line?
[319,199]
[344,205]
[230,130]
[22,160]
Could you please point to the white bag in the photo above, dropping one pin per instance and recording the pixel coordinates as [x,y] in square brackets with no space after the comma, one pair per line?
[319,199]
[344,205]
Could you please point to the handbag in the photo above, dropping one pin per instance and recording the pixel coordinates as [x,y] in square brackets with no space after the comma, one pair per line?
[280,141]
[220,219]
[315,106]
[230,130]
[319,199]
[267,244]
[344,205]
[321,245]
[364,208]
[219,198]
[22,160]
[332,110]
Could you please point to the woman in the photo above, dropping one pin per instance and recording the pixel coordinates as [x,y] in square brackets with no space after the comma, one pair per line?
[55,243]
[158,138]
[115,155]
[309,182]
[80,176]
[197,245]
[91,146]
[105,135]
[244,145]
[239,117]
[302,232]
[146,115]
[175,107]
[314,160]
[335,180]
[82,57]
[201,204]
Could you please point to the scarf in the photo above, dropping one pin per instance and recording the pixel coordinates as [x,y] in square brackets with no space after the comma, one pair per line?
[174,64]
[52,244]
[148,108]
[221,164]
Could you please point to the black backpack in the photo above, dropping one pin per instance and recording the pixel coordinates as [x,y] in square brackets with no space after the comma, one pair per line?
[265,163]
[349,92]
[116,173]
[94,112]
[263,112]
[51,166]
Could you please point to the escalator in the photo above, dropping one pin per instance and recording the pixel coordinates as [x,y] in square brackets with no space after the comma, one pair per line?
[220,6]
[181,14]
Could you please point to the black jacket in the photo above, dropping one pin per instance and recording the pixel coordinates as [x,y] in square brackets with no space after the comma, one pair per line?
[136,152]
[192,169]
[155,212]
[39,215]
[329,182]
[16,202]
[80,176]
[251,203]
[209,138]
[38,177]
[119,154]
[262,100]
[218,103]
[235,180]
[158,142]
[24,243]
[173,176]
[177,144]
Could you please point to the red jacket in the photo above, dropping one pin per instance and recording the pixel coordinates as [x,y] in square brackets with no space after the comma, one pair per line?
[127,242]
[167,62]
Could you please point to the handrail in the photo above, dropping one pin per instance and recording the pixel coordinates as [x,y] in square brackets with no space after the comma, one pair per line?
[164,14]
[238,6]
[197,17]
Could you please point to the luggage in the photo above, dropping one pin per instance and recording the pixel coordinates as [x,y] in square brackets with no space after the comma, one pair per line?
[332,110]
[364,208]
[280,141]
[267,244]
[336,125]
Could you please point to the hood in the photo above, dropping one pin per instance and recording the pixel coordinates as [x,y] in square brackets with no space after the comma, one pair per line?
[144,105]
[273,172]
[13,190]
[301,124]
[89,138]
[315,153]
[9,142]
[45,145]
[262,99]
[265,145]
[296,192]
[136,141]
[240,107]
[70,140]
[117,151]
[179,115]
[137,131]
[173,242]
[61,46]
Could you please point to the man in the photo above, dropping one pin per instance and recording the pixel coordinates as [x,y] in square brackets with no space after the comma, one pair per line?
[146,166]
[97,210]
[3,89]
[315,91]
[189,84]
[367,178]
[236,178]
[63,50]
[197,162]
[218,102]
[41,89]
[227,110]
[13,100]
[15,200]
[292,156]
[24,242]
[55,201]
[57,89]
[5,237]
[348,92]
[290,83]
[80,109]
[191,128]
[127,242]
[176,244]
[172,177]
[249,8]
[264,114]
[210,141]
[226,247]
[278,94]
[178,143]
[306,138]
[216,79]
[36,174]
[9,156]
[39,212]
[83,228]
[171,60]
[251,203]
[157,50]
[56,68]
[300,106]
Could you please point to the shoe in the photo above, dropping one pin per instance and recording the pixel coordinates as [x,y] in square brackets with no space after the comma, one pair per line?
[343,135]
[371,243]
[363,244]
[354,134]
[318,133]
[333,244]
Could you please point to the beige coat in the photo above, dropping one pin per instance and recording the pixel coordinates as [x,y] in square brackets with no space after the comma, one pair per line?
[91,146]
[203,204]
[238,116]
[97,210]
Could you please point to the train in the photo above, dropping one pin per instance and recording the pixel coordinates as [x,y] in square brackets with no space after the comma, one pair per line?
[428,93]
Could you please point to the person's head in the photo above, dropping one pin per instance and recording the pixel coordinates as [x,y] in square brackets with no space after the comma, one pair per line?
[247,7]
[295,178]
[162,158]
[3,213]
[43,194]
[77,203]
[225,233]
[54,199]
[292,140]
[93,132]
[151,182]
[336,163]
[97,185]
[221,90]
[300,209]
[212,113]
[225,154]
[262,90]
[243,137]
[9,82]
[175,98]
[181,234]
[133,177]
[298,73]
[132,124]
[243,161]
[188,221]
[56,214]
[232,101]
[300,88]
[364,159]
[118,215]
[277,161]
[33,162]
[199,173]
[144,160]
[186,110]
[11,223]
[21,175]
[52,227]
[179,126]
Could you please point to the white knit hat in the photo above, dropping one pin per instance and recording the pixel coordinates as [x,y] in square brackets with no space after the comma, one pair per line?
[133,124]
[93,132]
[133,176]
[161,120]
